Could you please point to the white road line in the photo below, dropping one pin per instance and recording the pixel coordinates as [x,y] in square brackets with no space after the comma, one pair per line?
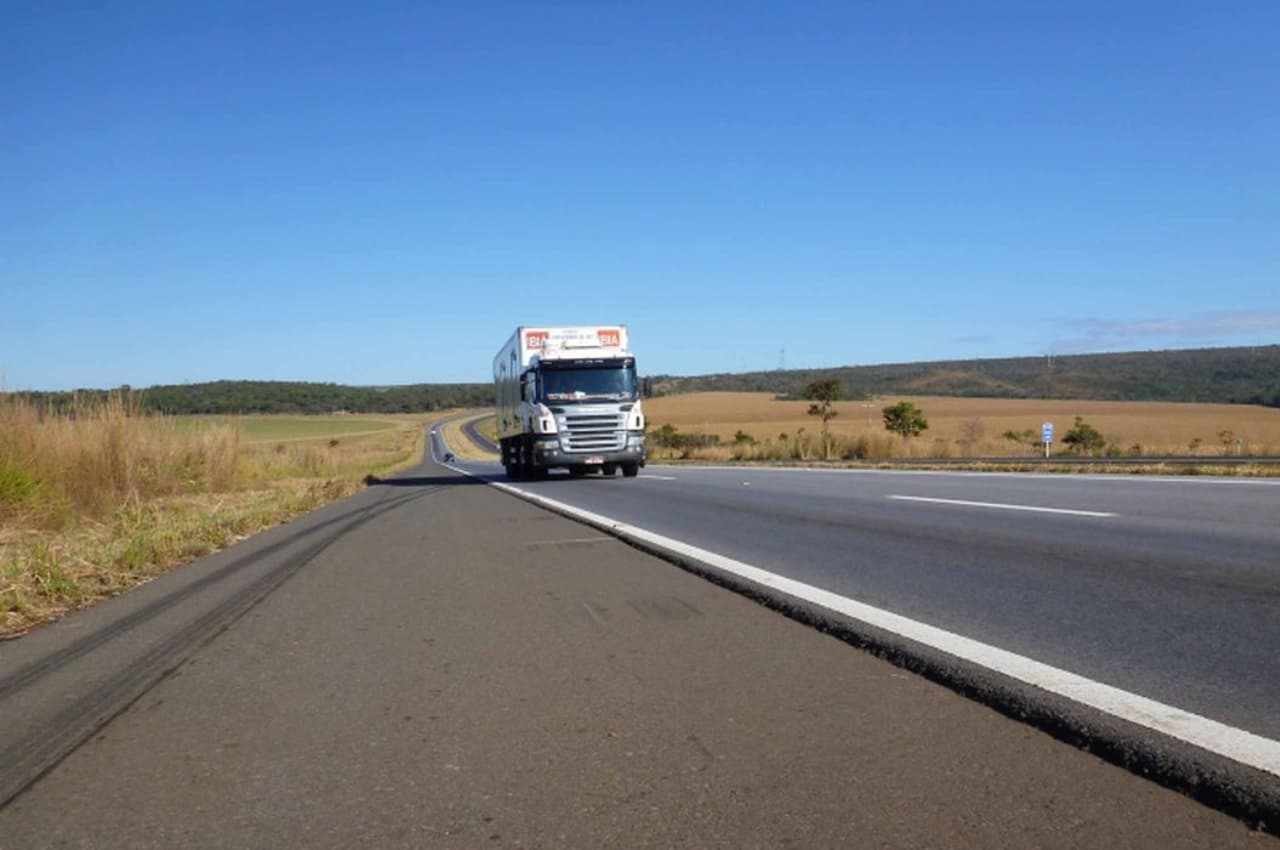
[1236,744]
[660,477]
[1002,506]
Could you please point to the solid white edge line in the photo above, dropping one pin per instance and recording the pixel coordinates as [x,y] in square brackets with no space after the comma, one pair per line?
[1236,744]
[1001,506]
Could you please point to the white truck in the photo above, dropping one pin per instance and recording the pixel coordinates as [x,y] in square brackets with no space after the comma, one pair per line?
[568,397]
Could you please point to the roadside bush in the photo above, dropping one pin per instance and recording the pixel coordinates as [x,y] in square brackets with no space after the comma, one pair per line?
[1028,437]
[1083,438]
[905,420]
[18,489]
[691,443]
[666,437]
[859,448]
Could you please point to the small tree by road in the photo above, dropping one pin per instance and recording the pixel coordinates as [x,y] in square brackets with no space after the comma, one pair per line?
[1083,438]
[823,394]
[904,419]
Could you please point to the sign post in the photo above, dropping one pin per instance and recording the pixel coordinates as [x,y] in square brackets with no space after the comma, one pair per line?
[1046,437]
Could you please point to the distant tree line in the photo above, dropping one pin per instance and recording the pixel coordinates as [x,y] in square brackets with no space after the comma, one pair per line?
[235,397]
[1246,375]
[1243,375]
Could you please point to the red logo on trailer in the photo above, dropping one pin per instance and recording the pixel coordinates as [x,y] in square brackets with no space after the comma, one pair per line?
[535,340]
[609,338]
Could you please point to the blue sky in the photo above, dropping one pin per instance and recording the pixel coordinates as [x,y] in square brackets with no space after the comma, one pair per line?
[378,193]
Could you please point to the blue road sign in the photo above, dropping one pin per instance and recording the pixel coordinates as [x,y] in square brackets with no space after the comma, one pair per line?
[1046,432]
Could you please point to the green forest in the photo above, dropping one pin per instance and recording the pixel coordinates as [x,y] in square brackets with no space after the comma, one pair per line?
[235,397]
[1230,375]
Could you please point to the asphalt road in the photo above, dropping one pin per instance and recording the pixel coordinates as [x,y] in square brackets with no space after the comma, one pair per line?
[437,663]
[1173,593]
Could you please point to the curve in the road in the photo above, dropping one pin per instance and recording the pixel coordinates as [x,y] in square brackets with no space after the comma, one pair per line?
[471,428]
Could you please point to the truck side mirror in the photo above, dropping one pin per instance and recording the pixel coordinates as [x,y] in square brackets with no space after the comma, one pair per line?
[647,388]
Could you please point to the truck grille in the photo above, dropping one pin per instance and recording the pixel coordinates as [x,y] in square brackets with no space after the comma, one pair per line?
[594,432]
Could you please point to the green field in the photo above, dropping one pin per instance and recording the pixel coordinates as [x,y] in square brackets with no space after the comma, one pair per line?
[269,428]
[261,429]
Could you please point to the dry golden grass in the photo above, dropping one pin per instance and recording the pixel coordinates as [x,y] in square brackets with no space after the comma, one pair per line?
[95,500]
[1159,427]
[98,455]
[460,444]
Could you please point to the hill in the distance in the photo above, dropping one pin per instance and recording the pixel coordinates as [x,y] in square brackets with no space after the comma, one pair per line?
[1231,375]
[1244,375]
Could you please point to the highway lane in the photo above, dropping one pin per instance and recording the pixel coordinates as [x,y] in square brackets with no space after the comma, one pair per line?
[435,663]
[1164,587]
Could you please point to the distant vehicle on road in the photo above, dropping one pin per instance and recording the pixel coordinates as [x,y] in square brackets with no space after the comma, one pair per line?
[448,457]
[567,397]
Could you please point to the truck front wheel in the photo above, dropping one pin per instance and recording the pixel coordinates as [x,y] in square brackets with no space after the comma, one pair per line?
[529,469]
[510,460]
[630,470]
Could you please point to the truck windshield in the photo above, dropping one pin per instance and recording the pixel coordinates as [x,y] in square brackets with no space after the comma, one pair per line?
[612,382]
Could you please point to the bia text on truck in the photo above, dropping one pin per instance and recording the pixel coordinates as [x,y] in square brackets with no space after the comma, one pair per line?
[568,398]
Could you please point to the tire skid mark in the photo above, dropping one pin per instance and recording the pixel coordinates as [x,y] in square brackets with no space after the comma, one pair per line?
[26,761]
[36,670]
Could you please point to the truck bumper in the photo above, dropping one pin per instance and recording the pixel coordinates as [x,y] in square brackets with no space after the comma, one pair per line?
[552,458]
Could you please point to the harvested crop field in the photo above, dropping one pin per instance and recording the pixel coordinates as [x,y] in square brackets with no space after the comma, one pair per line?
[974,426]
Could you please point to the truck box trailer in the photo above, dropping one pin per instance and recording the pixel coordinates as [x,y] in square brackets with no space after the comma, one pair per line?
[568,397]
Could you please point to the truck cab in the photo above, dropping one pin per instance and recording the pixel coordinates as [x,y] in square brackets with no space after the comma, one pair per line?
[569,398]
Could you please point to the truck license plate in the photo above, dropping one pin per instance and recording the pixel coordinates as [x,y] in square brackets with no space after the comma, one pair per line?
[595,459]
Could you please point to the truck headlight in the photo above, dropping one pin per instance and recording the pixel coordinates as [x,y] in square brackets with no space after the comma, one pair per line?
[549,445]
[544,421]
[635,439]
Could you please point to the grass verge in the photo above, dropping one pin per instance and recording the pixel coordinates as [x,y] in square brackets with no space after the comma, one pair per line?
[98,499]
